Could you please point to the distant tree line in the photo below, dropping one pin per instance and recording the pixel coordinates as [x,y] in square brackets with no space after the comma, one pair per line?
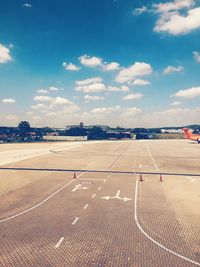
[25,133]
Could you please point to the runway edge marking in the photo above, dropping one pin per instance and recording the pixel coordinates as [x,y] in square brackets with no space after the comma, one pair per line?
[39,204]
[153,240]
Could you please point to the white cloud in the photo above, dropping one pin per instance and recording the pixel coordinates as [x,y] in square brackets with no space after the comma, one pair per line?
[90,61]
[130,73]
[96,87]
[105,110]
[27,5]
[42,98]
[189,93]
[98,62]
[122,88]
[178,17]
[39,107]
[91,88]
[29,113]
[60,101]
[140,10]
[111,66]
[42,91]
[172,6]
[4,54]
[54,106]
[128,113]
[49,89]
[132,96]
[89,81]
[53,88]
[91,98]
[175,103]
[8,101]
[139,82]
[196,56]
[70,66]
[171,69]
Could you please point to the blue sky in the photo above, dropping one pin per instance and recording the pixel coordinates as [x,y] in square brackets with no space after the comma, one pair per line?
[113,62]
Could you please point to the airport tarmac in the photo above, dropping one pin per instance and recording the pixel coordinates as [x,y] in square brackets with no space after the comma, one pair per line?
[47,218]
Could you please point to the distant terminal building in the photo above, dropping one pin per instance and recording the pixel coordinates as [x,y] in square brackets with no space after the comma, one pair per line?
[64,138]
[171,131]
[81,125]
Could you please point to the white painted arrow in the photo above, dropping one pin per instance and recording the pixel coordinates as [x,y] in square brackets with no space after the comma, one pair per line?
[117,197]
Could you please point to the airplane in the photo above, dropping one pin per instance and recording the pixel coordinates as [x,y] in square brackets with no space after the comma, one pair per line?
[191,136]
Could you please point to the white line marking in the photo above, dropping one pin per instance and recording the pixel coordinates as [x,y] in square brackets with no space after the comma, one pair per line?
[85,207]
[104,181]
[75,220]
[150,238]
[99,188]
[59,242]
[92,179]
[39,204]
[151,156]
[93,195]
[140,166]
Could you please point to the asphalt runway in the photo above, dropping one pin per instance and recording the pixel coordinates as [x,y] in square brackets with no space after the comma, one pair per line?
[100,219]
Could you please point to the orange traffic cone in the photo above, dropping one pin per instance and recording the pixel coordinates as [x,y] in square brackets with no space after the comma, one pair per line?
[141,178]
[161,178]
[74,176]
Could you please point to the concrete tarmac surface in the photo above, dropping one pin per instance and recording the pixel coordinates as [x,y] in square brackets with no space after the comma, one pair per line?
[100,219]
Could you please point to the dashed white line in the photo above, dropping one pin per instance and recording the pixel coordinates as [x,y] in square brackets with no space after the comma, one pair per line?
[99,188]
[152,158]
[104,181]
[75,220]
[59,242]
[150,238]
[85,207]
[94,195]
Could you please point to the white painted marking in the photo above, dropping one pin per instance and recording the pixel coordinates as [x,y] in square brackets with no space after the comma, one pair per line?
[153,240]
[99,188]
[85,207]
[191,180]
[39,204]
[152,158]
[75,220]
[93,195]
[117,197]
[79,186]
[92,179]
[104,181]
[76,187]
[59,242]
[140,166]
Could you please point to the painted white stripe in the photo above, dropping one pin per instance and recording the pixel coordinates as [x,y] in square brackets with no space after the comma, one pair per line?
[99,188]
[75,220]
[92,179]
[39,204]
[93,195]
[152,158]
[104,181]
[59,242]
[153,240]
[85,207]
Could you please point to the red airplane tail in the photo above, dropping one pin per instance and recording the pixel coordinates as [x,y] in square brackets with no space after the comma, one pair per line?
[187,133]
